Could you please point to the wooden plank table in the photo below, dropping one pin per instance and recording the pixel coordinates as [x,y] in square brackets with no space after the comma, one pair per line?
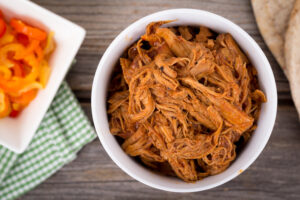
[93,175]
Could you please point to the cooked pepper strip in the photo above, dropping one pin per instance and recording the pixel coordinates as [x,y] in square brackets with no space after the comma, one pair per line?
[14,48]
[5,72]
[14,113]
[18,70]
[30,31]
[23,39]
[24,99]
[2,27]
[5,107]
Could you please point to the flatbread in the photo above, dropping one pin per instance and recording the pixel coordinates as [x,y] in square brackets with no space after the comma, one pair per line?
[292,51]
[272,17]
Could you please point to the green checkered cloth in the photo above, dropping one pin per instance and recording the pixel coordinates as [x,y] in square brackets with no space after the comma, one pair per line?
[62,133]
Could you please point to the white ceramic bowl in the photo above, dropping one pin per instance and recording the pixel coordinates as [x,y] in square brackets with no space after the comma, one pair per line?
[16,134]
[184,17]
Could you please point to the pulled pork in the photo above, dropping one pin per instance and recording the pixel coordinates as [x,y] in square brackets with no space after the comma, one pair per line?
[181,98]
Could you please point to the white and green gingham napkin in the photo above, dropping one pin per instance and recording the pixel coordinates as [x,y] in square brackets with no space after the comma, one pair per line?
[62,133]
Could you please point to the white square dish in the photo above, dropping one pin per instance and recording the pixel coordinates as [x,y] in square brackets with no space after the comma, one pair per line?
[16,134]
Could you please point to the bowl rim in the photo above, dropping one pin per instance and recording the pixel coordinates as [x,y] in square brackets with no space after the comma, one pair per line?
[104,59]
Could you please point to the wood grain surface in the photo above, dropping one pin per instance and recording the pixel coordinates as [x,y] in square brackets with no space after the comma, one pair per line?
[93,175]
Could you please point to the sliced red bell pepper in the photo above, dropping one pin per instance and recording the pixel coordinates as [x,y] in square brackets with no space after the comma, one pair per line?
[30,31]
[2,27]
[23,39]
[14,113]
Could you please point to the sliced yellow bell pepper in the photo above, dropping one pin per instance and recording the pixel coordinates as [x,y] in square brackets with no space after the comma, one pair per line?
[5,107]
[15,48]
[5,72]
[32,61]
[44,73]
[6,38]
[50,45]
